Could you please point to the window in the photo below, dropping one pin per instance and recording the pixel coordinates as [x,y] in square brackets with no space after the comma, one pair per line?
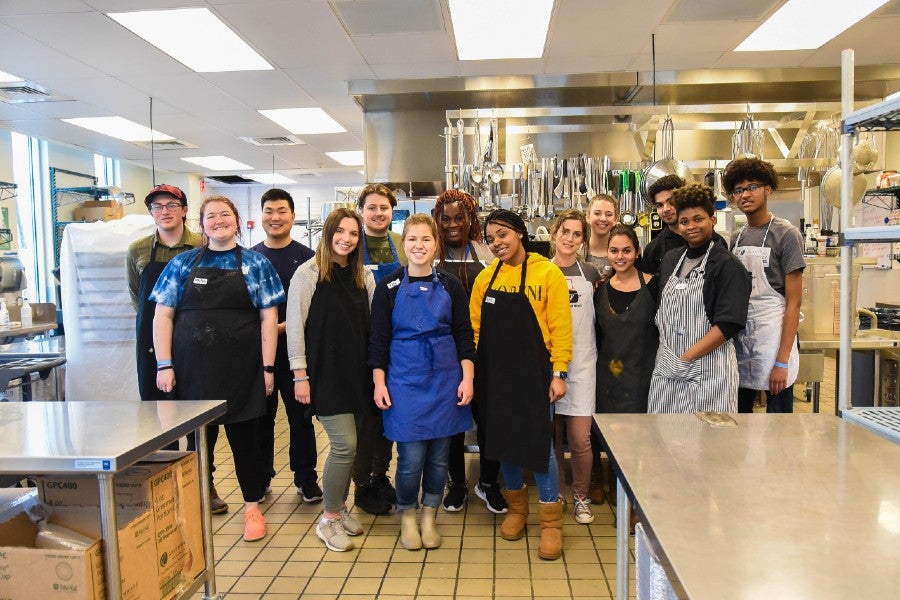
[35,223]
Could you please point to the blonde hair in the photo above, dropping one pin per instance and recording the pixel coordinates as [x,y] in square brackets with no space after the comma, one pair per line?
[604,198]
[224,200]
[325,254]
[420,219]
[571,214]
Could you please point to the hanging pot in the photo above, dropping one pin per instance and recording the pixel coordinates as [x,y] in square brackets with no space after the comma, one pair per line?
[667,165]
[831,187]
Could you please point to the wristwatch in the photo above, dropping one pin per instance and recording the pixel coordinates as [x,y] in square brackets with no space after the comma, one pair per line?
[561,374]
[268,368]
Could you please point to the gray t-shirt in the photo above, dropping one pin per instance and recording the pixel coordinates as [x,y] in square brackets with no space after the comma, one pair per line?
[786,243]
[590,271]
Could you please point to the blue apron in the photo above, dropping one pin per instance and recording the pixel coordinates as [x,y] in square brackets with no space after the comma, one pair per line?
[423,371]
[381,270]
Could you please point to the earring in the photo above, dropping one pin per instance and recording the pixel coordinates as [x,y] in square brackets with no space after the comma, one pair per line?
[520,236]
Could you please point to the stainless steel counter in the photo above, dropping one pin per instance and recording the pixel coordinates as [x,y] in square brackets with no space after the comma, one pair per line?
[103,438]
[782,506]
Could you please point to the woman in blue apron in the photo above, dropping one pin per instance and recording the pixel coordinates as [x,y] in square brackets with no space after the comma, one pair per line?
[209,302]
[703,304]
[422,354]
[462,253]
[575,411]
[523,330]
[382,255]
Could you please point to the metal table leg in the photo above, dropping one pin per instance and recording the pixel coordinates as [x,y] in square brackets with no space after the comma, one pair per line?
[110,532]
[816,389]
[209,587]
[623,518]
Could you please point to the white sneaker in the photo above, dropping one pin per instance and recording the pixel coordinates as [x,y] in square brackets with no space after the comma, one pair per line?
[351,524]
[332,533]
[583,512]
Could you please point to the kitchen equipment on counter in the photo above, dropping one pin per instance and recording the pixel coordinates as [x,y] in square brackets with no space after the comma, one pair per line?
[667,165]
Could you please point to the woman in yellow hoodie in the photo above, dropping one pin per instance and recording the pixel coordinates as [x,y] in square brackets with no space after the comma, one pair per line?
[523,332]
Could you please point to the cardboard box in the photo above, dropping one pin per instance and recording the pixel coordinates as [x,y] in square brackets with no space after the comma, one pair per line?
[167,485]
[98,210]
[27,573]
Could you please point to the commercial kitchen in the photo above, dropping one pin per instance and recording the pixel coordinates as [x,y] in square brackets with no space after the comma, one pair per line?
[531,105]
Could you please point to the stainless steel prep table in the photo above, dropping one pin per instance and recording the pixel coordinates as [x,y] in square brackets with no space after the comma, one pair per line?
[102,438]
[782,506]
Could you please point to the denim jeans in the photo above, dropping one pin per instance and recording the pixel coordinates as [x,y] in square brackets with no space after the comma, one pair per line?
[547,483]
[421,465]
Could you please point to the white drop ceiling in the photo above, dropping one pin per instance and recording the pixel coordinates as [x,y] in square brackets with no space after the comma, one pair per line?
[72,48]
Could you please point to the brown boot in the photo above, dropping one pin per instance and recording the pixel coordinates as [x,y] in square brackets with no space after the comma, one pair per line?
[217,506]
[595,490]
[551,530]
[611,482]
[513,526]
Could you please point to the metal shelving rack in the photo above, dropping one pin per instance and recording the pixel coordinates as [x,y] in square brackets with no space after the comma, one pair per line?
[7,192]
[882,116]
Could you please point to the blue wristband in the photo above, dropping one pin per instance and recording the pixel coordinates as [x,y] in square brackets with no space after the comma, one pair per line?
[163,363]
[781,365]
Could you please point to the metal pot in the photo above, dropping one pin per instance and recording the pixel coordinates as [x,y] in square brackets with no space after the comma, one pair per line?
[667,165]
[831,187]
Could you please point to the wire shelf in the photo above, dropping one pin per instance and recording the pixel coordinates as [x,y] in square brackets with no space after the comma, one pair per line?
[884,421]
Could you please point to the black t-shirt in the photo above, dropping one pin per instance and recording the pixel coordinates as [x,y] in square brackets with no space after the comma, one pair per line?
[383,309]
[726,286]
[285,260]
[652,256]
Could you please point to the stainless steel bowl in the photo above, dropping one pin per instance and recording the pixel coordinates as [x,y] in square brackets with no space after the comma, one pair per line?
[660,169]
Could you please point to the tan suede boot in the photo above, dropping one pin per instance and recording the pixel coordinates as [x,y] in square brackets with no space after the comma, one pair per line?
[551,530]
[410,538]
[430,536]
[513,526]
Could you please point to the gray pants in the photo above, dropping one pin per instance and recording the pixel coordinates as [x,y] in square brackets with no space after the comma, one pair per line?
[341,431]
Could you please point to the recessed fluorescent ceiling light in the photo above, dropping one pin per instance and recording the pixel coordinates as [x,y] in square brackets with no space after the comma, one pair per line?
[121,128]
[195,37]
[500,28]
[807,24]
[218,163]
[304,120]
[8,77]
[270,178]
[350,158]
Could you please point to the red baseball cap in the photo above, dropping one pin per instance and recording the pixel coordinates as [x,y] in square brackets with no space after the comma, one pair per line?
[170,190]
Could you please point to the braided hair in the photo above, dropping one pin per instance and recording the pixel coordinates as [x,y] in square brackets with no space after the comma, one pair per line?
[469,211]
[507,218]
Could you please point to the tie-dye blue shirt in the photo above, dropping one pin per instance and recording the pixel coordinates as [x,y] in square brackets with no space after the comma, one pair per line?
[260,276]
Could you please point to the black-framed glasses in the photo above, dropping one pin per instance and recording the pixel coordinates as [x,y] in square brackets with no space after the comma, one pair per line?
[171,206]
[739,191]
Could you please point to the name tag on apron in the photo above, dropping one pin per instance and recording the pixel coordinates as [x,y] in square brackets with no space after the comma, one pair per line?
[245,269]
[489,299]
[761,252]
[200,280]
[681,286]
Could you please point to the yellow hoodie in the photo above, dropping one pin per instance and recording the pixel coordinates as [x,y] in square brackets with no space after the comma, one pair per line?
[548,292]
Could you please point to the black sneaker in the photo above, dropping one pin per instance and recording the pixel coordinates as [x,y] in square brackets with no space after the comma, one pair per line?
[368,499]
[310,492]
[382,483]
[456,496]
[492,497]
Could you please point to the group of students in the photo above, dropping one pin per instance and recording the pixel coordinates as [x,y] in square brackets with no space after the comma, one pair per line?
[406,338]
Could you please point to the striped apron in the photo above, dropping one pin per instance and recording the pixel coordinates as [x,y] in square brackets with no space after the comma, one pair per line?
[708,383]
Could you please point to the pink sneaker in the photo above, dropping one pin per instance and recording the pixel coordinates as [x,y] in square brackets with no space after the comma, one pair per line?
[254,526]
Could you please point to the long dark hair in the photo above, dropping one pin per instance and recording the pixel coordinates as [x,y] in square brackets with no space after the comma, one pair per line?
[324,253]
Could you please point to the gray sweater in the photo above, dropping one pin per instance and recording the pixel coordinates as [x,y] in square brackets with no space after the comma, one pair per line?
[300,294]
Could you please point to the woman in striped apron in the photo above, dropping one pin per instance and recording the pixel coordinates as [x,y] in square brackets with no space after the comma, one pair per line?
[702,306]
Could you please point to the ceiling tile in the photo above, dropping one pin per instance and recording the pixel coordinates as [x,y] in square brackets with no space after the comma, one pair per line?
[189,92]
[41,7]
[426,47]
[34,60]
[681,38]
[599,27]
[371,17]
[716,10]
[417,70]
[262,89]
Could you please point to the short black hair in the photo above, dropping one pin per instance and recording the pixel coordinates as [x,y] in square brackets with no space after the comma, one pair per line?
[276,194]
[695,195]
[749,169]
[664,184]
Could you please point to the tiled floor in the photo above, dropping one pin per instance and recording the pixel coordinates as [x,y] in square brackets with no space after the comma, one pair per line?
[473,562]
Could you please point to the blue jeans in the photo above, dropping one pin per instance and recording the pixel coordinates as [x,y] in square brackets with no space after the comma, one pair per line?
[547,483]
[421,465]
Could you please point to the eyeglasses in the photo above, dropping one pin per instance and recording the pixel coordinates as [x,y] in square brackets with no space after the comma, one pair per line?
[739,191]
[171,206]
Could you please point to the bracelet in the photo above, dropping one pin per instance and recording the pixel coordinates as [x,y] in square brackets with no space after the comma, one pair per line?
[163,363]
[781,365]
[304,378]
[164,368]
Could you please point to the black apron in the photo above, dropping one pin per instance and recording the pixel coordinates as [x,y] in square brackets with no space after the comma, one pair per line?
[466,270]
[337,347]
[512,379]
[627,352]
[217,342]
[146,357]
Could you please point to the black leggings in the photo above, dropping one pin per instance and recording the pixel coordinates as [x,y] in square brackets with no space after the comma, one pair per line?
[489,469]
[243,438]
